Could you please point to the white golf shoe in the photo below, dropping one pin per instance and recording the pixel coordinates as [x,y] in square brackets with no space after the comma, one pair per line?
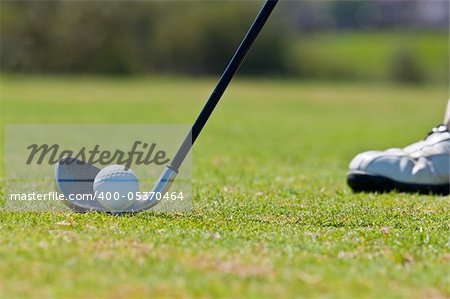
[422,167]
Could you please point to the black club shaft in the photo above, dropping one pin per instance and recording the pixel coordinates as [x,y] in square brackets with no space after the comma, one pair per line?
[223,82]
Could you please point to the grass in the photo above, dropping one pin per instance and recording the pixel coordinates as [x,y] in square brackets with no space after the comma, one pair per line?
[272,214]
[372,54]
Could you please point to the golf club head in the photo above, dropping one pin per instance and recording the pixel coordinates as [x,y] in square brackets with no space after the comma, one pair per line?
[74,177]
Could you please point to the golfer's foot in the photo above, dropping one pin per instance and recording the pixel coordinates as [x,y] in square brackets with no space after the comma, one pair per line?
[422,167]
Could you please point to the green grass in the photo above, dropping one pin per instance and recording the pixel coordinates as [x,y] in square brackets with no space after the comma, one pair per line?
[370,55]
[272,214]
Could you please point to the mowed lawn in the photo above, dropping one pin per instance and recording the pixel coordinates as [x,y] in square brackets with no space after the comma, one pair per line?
[272,214]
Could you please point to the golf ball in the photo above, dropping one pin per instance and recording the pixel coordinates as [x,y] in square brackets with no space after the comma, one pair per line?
[115,188]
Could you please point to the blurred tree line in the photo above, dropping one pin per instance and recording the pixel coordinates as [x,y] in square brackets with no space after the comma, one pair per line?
[198,37]
[131,37]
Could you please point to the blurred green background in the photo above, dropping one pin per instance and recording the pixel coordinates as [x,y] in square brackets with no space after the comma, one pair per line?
[401,41]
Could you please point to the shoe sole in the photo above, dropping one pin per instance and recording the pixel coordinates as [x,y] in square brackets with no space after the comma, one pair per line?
[366,182]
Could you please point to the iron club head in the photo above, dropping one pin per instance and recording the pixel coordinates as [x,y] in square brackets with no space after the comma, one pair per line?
[75,179]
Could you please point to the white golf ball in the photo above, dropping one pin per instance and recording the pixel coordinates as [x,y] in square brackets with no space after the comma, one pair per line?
[116,188]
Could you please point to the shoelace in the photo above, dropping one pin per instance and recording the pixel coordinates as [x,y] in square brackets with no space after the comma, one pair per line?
[438,129]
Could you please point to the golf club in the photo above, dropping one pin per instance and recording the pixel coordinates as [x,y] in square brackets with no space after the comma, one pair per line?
[73,176]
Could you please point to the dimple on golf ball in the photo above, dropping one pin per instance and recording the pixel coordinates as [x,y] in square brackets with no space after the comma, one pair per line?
[116,187]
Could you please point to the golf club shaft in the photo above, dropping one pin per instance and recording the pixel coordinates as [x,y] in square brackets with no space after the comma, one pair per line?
[223,82]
